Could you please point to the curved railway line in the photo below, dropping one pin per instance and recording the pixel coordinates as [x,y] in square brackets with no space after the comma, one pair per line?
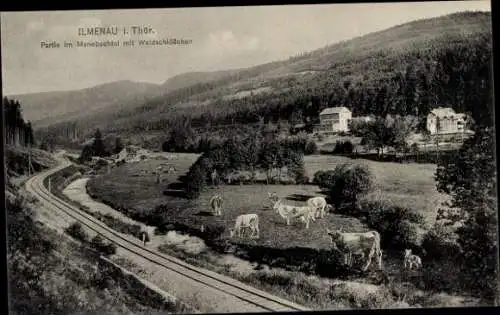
[243,297]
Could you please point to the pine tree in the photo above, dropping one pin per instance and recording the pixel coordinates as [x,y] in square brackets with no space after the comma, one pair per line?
[98,146]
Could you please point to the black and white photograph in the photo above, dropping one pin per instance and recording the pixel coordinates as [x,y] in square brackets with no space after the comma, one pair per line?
[243,159]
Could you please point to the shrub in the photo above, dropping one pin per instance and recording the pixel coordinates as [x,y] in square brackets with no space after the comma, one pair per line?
[443,275]
[319,178]
[77,232]
[441,243]
[409,235]
[195,181]
[86,154]
[398,226]
[287,181]
[343,147]
[213,232]
[105,248]
[345,184]
[302,179]
[311,148]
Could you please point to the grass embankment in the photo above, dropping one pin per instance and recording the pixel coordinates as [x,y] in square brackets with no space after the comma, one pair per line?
[52,273]
[310,290]
[17,163]
[62,178]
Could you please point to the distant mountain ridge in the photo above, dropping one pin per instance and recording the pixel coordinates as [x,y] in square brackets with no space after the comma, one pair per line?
[365,74]
[47,108]
[191,78]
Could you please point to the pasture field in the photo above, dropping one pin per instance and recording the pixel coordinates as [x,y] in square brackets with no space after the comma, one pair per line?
[128,187]
[409,185]
[132,189]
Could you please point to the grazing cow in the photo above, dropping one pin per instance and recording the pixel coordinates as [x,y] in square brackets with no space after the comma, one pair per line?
[290,212]
[250,221]
[216,204]
[411,260]
[320,206]
[171,170]
[366,244]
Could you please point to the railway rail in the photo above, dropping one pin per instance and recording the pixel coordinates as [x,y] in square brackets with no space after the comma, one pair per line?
[243,298]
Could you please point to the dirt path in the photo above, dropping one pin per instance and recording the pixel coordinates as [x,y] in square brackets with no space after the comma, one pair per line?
[77,192]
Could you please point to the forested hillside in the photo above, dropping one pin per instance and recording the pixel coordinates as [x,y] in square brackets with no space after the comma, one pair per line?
[16,130]
[408,69]
[48,108]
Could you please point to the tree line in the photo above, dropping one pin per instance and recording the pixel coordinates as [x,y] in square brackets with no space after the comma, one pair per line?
[99,147]
[382,132]
[17,130]
[252,153]
[185,138]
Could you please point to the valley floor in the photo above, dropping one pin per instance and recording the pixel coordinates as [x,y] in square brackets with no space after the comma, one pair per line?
[275,278]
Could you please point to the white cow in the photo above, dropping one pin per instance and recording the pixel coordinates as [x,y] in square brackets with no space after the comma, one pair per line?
[306,214]
[320,206]
[411,260]
[366,244]
[216,204]
[250,221]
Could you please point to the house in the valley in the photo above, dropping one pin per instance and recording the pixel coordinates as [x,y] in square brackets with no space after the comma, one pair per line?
[444,120]
[334,120]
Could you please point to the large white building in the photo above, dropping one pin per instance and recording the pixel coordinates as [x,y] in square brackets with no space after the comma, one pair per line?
[334,120]
[444,120]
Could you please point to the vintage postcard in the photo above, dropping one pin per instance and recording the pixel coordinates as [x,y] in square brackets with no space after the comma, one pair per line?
[250,159]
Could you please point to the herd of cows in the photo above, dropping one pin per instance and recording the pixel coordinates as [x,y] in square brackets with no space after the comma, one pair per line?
[365,246]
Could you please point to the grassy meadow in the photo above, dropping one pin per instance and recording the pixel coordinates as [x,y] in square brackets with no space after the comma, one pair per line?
[132,188]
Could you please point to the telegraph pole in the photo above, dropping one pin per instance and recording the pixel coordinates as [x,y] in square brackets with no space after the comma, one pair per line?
[30,166]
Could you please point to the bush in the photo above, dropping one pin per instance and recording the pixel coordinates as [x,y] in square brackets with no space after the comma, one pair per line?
[319,178]
[343,147]
[409,235]
[441,243]
[311,148]
[102,247]
[213,232]
[398,226]
[86,154]
[302,180]
[77,232]
[345,185]
[195,181]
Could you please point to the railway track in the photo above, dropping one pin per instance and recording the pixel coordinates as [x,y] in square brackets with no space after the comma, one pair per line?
[239,297]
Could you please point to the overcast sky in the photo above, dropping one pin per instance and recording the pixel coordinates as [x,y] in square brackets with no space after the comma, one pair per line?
[222,38]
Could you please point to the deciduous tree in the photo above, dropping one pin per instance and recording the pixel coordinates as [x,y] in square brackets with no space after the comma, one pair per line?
[469,176]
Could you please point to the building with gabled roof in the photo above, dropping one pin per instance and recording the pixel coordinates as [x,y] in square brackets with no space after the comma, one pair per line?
[334,120]
[444,120]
